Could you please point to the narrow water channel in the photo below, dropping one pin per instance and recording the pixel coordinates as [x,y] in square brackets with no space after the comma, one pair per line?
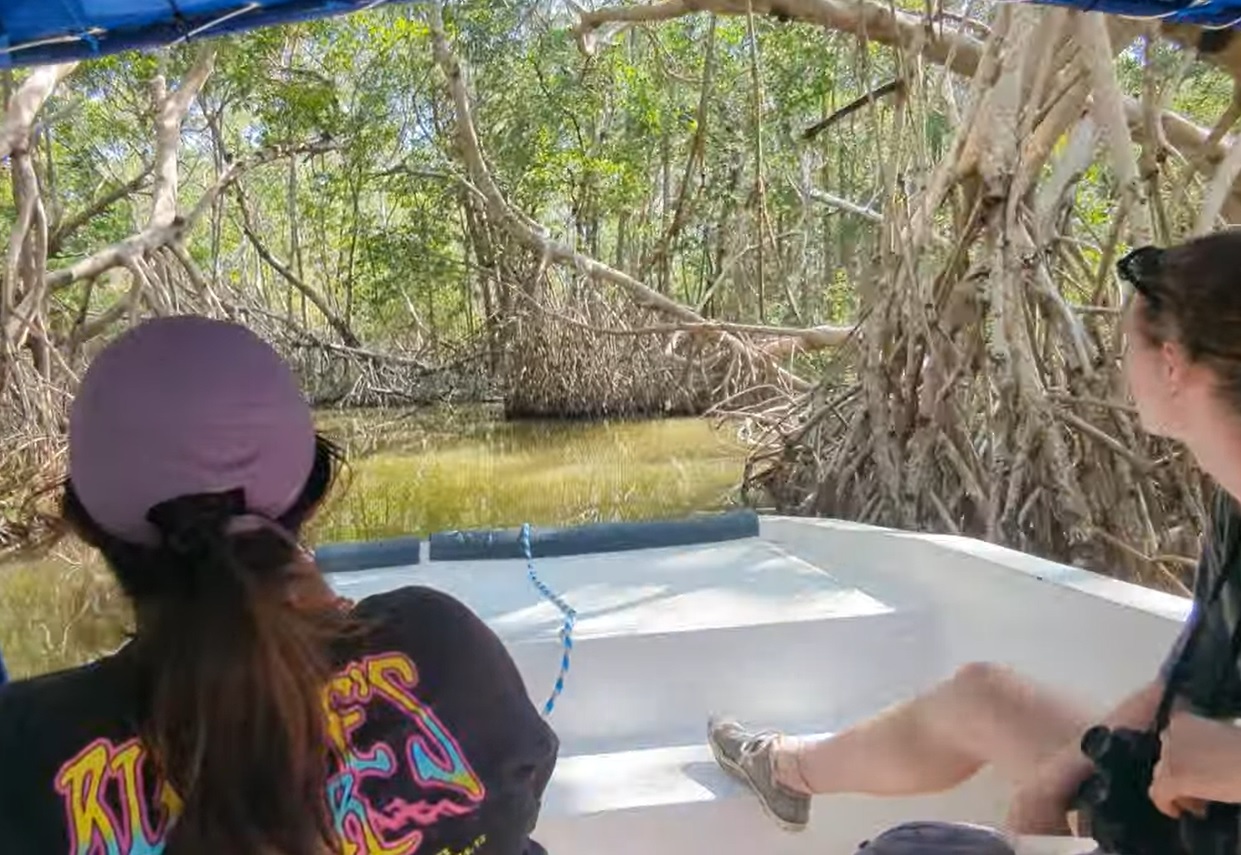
[415,473]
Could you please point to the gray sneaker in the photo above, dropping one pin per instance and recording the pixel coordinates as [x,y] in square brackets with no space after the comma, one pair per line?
[747,755]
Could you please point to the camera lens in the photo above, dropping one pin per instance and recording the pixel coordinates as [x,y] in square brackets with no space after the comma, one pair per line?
[1096,742]
[1094,790]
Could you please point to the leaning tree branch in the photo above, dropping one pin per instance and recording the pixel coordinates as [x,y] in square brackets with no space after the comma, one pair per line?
[97,326]
[960,51]
[155,236]
[1096,53]
[172,109]
[67,227]
[1225,177]
[534,236]
[834,201]
[786,338]
[26,103]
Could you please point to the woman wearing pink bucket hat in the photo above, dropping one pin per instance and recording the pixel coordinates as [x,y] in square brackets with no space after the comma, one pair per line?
[252,711]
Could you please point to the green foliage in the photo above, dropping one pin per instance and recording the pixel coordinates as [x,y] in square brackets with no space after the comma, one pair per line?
[594,147]
[597,148]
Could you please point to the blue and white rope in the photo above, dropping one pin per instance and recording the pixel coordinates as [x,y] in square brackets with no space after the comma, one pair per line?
[570,618]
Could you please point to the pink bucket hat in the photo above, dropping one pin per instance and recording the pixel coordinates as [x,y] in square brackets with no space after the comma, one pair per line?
[184,405]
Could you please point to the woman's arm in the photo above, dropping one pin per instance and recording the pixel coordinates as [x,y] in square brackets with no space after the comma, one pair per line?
[1200,761]
[1053,786]
[1050,790]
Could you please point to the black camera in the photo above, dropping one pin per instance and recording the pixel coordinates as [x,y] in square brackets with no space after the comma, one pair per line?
[1115,801]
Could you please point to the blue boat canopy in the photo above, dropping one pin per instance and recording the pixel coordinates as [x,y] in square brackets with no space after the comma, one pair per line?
[39,32]
[1213,14]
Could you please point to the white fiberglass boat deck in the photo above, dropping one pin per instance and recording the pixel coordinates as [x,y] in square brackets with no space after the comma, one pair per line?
[805,625]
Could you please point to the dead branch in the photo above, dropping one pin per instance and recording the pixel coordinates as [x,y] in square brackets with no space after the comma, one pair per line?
[852,107]
[162,235]
[844,204]
[334,320]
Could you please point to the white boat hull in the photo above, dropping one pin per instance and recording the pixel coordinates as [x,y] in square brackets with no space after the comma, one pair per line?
[808,627]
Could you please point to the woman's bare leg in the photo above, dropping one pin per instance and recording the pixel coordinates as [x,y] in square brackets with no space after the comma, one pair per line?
[984,715]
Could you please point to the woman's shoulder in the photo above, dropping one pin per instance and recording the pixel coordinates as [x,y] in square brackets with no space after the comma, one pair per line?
[414,601]
[410,596]
[1224,507]
[449,657]
[1223,535]
[87,683]
[429,624]
[46,719]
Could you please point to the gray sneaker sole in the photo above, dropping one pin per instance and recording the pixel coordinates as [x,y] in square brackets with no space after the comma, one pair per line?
[737,770]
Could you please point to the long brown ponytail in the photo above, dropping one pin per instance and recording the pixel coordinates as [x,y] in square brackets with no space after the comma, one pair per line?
[232,671]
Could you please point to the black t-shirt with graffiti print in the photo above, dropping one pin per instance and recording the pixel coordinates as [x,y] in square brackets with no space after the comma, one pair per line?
[436,746]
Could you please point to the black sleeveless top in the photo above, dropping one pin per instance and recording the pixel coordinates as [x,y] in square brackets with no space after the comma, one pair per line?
[1212,685]
[436,746]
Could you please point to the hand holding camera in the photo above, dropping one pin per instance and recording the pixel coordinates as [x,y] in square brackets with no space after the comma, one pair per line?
[1115,799]
[1147,794]
[1190,745]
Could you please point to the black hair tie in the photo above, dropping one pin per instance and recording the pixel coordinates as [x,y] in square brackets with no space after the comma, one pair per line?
[194,526]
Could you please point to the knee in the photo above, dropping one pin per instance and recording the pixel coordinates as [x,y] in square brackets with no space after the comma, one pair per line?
[985,679]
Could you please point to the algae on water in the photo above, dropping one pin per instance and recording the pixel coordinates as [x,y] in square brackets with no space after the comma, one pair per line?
[415,473]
